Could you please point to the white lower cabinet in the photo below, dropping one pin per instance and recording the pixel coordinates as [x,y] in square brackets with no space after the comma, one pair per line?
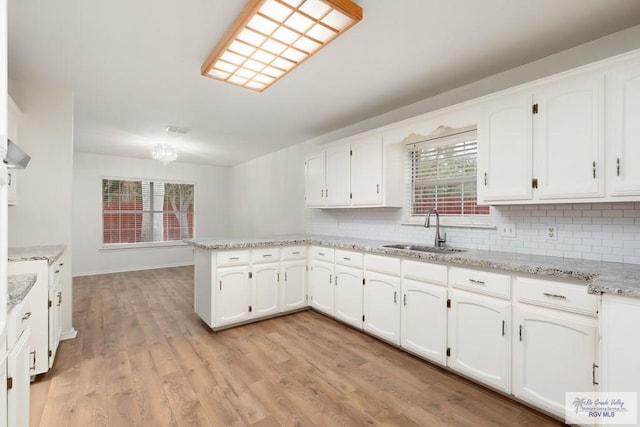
[479,338]
[382,306]
[424,320]
[348,295]
[233,298]
[620,346]
[554,353]
[293,277]
[18,375]
[3,390]
[321,287]
[266,278]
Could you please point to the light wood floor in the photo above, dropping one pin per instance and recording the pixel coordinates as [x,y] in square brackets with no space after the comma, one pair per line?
[143,358]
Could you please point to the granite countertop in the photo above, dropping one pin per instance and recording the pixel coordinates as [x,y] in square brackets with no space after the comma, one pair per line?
[19,286]
[35,253]
[600,277]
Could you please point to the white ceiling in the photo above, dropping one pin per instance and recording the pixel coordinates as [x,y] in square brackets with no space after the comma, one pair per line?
[134,66]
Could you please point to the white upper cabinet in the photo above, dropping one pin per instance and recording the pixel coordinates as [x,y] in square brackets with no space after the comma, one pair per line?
[337,191]
[568,138]
[623,129]
[543,144]
[366,172]
[315,169]
[358,172]
[505,136]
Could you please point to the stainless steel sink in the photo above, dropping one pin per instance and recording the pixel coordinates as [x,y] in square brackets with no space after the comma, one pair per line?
[419,248]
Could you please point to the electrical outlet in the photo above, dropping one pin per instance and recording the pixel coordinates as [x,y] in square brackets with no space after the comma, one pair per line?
[507,231]
[552,232]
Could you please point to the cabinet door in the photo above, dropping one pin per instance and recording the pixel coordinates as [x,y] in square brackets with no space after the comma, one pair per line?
[3,390]
[234,296]
[505,153]
[18,371]
[539,375]
[321,287]
[314,179]
[265,289]
[348,295]
[294,289]
[479,343]
[338,173]
[568,138]
[366,171]
[623,129]
[424,320]
[381,302]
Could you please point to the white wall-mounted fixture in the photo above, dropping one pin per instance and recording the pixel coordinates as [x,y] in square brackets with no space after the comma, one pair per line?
[164,153]
[271,37]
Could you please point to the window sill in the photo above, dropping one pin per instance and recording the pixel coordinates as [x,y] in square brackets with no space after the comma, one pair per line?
[145,245]
[484,223]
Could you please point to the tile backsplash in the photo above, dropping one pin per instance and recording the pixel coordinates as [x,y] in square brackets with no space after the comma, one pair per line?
[598,231]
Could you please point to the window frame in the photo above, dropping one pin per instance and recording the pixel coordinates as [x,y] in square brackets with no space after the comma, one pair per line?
[143,245]
[465,221]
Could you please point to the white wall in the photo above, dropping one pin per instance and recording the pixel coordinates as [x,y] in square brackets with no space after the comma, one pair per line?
[42,215]
[584,237]
[211,211]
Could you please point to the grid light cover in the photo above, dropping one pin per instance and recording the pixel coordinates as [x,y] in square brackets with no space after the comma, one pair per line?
[271,37]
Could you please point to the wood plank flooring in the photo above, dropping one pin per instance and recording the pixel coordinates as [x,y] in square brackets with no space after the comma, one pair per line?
[143,358]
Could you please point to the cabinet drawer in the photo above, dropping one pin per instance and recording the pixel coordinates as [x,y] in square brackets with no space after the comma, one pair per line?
[482,282]
[560,295]
[18,321]
[294,252]
[425,272]
[232,258]
[265,255]
[350,259]
[382,264]
[322,254]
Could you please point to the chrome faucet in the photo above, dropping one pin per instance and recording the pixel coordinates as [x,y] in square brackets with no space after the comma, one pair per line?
[438,240]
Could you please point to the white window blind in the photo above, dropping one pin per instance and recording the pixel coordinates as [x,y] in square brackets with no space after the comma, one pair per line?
[142,211]
[442,175]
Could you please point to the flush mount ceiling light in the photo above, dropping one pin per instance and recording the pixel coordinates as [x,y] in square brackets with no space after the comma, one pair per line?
[164,153]
[271,37]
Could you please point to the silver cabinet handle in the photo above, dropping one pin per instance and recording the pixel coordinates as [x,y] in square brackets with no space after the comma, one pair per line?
[321,193]
[267,256]
[346,258]
[285,276]
[520,333]
[59,298]
[336,280]
[321,253]
[235,258]
[377,188]
[476,282]
[296,253]
[503,322]
[330,279]
[278,277]
[57,271]
[618,166]
[405,299]
[594,169]
[593,374]
[547,294]
[395,297]
[485,178]
[26,316]
[33,365]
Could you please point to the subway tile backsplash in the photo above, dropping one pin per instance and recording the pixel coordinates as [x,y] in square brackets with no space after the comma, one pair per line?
[598,231]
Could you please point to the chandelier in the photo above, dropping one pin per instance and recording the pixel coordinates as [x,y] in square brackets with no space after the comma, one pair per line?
[164,153]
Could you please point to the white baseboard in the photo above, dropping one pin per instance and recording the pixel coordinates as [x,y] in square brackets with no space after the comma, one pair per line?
[127,269]
[69,335]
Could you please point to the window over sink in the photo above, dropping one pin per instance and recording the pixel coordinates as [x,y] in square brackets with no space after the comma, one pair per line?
[146,212]
[442,174]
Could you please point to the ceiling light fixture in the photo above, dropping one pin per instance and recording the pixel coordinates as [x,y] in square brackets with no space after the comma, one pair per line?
[271,37]
[164,153]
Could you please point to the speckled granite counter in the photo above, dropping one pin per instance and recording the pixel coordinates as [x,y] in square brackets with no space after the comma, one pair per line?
[34,253]
[600,277]
[19,286]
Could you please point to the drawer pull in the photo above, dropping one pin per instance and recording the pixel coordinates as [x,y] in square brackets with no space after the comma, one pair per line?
[503,322]
[346,258]
[547,294]
[267,256]
[395,297]
[296,253]
[476,282]
[57,271]
[520,332]
[593,374]
[26,316]
[321,253]
[405,299]
[235,258]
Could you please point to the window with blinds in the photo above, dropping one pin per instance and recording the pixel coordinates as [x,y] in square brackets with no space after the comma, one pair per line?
[442,175]
[141,211]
